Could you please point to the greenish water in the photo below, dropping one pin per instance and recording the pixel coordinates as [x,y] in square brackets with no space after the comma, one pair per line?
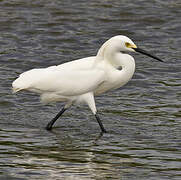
[143,118]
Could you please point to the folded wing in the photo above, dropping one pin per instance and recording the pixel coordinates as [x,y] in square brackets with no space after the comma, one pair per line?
[63,82]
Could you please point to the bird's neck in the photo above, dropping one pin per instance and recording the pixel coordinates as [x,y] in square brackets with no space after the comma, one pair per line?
[115,59]
[118,72]
[125,61]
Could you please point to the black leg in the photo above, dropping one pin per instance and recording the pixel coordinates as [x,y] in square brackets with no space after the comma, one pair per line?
[50,124]
[100,124]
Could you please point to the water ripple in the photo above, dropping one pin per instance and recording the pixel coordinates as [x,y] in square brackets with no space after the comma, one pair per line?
[143,117]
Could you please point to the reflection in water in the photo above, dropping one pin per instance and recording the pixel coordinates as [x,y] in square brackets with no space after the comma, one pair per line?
[59,155]
[142,119]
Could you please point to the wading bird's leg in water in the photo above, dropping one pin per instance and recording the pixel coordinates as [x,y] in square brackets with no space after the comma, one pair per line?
[100,124]
[51,123]
[89,99]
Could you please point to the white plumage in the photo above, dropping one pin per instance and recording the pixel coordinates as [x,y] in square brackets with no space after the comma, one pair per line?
[79,80]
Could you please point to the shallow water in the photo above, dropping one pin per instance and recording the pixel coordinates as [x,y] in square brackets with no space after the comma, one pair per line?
[143,118]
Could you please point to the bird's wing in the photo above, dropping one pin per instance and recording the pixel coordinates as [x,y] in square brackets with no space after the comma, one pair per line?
[79,64]
[62,82]
[84,63]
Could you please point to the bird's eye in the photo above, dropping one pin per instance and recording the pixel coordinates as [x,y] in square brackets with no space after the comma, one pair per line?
[127,44]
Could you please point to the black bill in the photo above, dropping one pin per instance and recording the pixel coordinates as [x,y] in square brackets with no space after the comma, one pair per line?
[146,53]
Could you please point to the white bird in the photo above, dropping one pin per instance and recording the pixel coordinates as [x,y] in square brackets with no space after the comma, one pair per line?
[80,80]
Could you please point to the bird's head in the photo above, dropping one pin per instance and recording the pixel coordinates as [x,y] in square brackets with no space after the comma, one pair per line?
[122,43]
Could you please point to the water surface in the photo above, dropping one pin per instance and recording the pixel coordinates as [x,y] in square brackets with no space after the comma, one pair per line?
[143,118]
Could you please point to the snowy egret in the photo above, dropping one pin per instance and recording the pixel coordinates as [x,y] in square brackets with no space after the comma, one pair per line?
[80,80]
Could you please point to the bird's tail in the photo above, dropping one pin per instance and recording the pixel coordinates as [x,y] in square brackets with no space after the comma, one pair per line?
[17,86]
[26,80]
[22,82]
[15,90]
